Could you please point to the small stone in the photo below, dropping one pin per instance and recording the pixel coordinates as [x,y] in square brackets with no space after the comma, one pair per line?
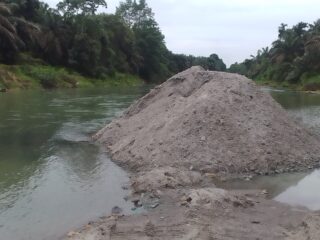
[211,175]
[237,204]
[103,231]
[71,234]
[116,210]
[125,187]
[255,222]
[249,178]
[154,205]
[138,204]
[159,193]
[264,192]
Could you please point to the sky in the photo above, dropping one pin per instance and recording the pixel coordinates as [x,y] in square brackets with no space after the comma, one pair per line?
[233,29]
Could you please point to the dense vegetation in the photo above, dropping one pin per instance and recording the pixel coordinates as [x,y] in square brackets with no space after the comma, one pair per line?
[97,45]
[293,59]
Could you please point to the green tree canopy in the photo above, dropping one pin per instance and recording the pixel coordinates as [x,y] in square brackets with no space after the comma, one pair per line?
[293,58]
[85,7]
[74,35]
[135,13]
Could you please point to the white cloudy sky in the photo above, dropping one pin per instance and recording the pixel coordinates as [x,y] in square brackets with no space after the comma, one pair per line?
[234,29]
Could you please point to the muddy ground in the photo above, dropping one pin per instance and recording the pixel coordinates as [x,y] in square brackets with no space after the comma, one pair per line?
[195,129]
[208,213]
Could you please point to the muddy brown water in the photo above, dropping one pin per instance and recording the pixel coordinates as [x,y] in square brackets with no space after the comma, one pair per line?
[53,178]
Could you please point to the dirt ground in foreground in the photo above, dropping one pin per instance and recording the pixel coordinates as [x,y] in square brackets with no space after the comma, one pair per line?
[206,214]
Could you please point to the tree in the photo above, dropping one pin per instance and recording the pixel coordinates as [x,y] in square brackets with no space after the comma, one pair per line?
[293,57]
[149,40]
[74,35]
[28,9]
[215,63]
[312,53]
[135,14]
[56,37]
[85,7]
[152,49]
[14,32]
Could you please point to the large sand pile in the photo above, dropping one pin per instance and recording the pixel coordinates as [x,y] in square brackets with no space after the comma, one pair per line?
[209,122]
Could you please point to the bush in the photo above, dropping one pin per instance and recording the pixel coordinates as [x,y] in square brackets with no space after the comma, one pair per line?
[50,77]
[310,82]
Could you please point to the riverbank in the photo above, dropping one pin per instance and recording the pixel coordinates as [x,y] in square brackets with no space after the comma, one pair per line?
[178,187]
[37,76]
[311,84]
[207,213]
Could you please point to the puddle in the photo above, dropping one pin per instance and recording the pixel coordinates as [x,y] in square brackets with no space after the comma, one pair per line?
[295,189]
[305,193]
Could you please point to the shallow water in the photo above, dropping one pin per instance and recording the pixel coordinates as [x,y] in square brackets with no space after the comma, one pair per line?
[296,189]
[304,193]
[52,178]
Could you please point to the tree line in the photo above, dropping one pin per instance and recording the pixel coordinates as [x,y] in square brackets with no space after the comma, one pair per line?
[76,35]
[294,58]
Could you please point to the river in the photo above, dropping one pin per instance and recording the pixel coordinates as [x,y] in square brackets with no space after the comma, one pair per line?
[53,178]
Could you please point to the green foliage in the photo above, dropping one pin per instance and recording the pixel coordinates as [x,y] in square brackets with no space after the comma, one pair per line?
[71,8]
[48,77]
[15,33]
[212,63]
[135,13]
[292,60]
[180,62]
[149,41]
[97,45]
[310,81]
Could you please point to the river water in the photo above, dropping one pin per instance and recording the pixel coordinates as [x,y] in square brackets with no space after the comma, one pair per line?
[53,178]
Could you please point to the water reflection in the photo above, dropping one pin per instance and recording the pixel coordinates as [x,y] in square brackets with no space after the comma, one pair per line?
[294,99]
[303,107]
[304,193]
[275,184]
[297,189]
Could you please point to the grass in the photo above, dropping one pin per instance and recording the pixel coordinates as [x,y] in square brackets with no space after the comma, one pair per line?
[311,83]
[275,84]
[26,76]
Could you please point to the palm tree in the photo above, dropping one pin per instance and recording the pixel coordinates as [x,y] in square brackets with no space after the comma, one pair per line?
[14,32]
[54,37]
[312,52]
[9,39]
[287,47]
